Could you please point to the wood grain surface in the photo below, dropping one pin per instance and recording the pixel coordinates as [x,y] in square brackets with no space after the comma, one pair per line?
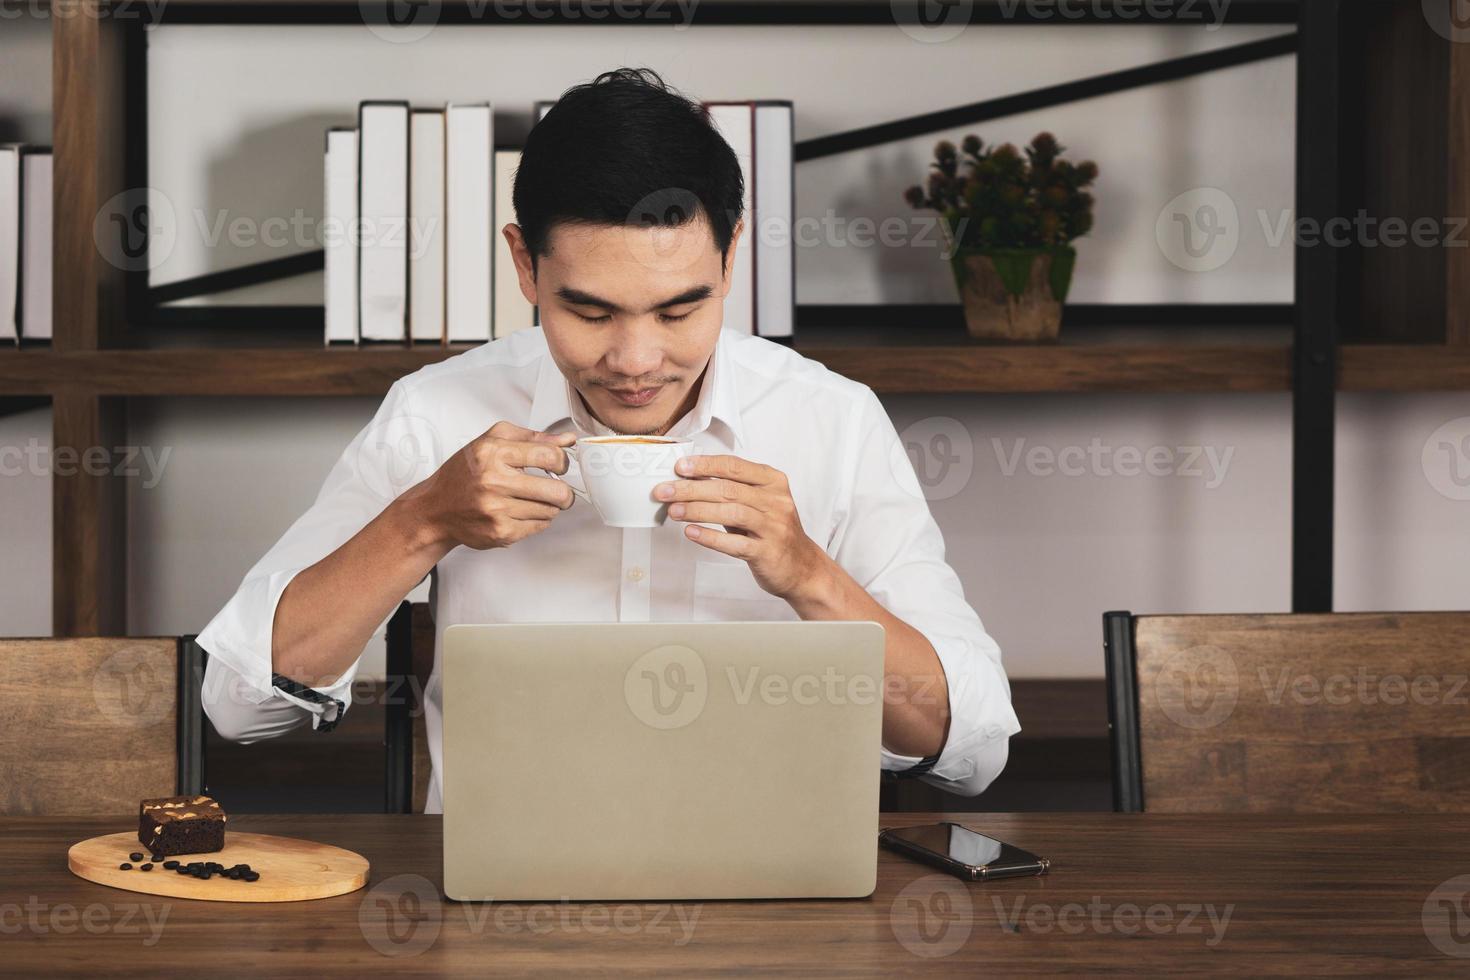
[1365,712]
[291,870]
[1130,894]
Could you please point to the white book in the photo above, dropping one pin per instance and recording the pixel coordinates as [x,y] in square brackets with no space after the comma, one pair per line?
[35,243]
[735,121]
[512,312]
[9,241]
[340,237]
[470,219]
[771,227]
[426,226]
[382,255]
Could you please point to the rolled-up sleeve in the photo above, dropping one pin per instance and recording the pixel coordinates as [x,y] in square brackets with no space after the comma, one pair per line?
[243,697]
[886,538]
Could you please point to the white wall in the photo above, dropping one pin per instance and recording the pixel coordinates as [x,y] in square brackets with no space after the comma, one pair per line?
[1042,553]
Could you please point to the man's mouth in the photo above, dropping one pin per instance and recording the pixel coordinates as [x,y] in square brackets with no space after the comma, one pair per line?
[635,396]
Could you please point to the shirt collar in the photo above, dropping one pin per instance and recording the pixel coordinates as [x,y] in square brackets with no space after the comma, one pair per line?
[556,403]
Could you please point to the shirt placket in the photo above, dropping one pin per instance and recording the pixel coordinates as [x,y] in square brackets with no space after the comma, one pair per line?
[635,578]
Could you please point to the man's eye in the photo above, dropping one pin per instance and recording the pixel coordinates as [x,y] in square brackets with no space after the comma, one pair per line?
[594,319]
[668,318]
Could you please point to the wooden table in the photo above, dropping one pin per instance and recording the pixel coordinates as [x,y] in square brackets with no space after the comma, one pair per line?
[1127,893]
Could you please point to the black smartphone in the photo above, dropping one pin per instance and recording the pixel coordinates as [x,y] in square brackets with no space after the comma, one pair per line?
[962,852]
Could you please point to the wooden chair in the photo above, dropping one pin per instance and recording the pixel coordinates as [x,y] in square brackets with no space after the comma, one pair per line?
[93,725]
[1339,712]
[410,661]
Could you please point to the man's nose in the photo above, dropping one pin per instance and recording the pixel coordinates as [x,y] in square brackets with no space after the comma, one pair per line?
[633,357]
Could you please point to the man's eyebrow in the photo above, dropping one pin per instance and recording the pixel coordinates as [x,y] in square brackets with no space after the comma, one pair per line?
[691,295]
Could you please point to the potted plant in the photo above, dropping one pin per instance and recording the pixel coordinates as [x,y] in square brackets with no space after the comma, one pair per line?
[1009,220]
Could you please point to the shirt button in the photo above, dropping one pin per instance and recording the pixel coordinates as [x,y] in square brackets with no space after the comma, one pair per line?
[635,574]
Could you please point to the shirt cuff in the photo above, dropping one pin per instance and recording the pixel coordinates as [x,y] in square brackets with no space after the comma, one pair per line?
[240,638]
[981,720]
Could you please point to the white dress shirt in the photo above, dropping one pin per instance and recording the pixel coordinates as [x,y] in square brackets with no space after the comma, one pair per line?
[853,484]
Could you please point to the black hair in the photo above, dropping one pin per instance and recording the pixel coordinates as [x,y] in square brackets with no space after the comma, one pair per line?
[626,149]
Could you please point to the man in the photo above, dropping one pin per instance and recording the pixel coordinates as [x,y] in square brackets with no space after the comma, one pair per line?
[801,504]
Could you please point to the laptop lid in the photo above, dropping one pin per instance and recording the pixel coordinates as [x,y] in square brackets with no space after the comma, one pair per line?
[610,761]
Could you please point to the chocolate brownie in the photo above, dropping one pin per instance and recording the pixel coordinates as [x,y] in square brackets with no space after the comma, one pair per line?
[181,825]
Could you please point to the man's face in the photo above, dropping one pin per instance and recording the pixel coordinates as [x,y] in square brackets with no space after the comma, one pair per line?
[631,315]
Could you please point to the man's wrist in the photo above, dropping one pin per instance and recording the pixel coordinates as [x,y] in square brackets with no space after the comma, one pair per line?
[819,594]
[413,525]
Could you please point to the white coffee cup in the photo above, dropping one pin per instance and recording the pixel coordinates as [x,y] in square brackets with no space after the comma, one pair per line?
[620,473]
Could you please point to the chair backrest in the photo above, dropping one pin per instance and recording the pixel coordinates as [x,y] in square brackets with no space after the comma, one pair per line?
[1364,712]
[92,725]
[410,661]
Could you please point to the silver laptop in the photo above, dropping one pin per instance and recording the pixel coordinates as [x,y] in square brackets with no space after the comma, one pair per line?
[608,761]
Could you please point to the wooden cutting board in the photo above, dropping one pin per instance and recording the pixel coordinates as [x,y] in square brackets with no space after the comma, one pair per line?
[290,870]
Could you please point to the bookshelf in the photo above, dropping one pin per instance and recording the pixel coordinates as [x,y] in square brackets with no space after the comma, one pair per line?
[100,358]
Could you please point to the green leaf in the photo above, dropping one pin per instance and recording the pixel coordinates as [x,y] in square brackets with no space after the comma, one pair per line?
[1063,261]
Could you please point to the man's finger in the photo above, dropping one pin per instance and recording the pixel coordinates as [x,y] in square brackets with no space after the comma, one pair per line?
[726,467]
[519,433]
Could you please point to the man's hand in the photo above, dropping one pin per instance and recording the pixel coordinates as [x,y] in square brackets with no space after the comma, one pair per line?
[483,498]
[753,502]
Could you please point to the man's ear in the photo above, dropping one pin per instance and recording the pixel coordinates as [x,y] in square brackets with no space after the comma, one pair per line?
[729,268]
[521,256]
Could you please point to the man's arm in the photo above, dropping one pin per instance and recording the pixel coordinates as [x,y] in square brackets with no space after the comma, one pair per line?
[946,699]
[378,526]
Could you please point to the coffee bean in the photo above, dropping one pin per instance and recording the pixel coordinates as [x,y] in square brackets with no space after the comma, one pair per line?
[252,876]
[146,867]
[170,865]
[157,857]
[125,866]
[135,856]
